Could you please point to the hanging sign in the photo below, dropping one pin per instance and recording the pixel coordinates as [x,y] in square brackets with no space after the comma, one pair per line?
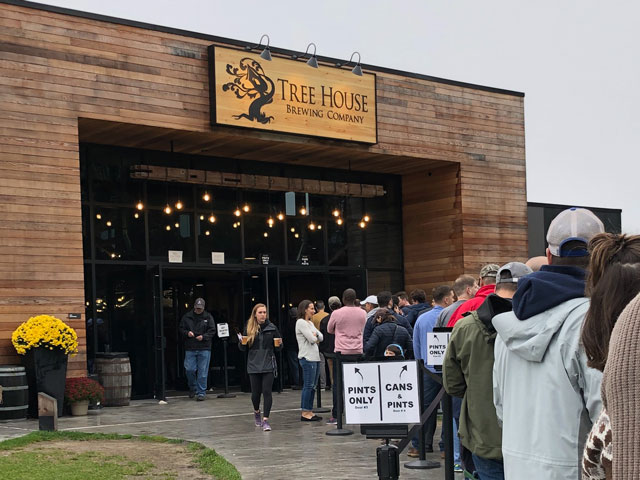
[284,95]
[381,392]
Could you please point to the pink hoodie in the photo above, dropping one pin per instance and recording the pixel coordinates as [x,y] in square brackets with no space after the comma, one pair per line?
[347,323]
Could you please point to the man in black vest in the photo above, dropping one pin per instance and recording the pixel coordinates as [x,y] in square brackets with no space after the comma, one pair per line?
[198,328]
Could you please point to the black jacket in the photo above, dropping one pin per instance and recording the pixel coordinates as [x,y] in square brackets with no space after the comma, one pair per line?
[328,339]
[412,312]
[261,356]
[201,324]
[386,333]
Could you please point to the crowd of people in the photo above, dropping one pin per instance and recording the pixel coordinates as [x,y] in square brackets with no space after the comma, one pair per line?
[542,361]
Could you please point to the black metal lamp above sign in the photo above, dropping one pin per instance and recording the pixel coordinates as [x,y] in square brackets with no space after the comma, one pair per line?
[313,60]
[357,69]
[266,53]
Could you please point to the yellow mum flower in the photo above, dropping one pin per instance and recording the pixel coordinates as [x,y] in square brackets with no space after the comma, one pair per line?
[45,331]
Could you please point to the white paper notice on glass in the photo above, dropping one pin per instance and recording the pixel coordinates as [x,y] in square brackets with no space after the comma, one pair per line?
[175,256]
[217,258]
[223,330]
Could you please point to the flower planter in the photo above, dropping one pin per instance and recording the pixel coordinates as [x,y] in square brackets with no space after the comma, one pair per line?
[80,408]
[46,372]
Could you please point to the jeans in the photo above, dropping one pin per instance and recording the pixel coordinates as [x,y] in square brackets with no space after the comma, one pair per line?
[310,374]
[430,389]
[488,469]
[197,361]
[456,404]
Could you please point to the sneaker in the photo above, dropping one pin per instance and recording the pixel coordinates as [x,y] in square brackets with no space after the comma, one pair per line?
[192,393]
[413,452]
[332,421]
[265,426]
[258,418]
[200,398]
[457,468]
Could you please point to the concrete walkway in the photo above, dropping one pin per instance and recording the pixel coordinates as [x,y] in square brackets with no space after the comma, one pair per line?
[292,450]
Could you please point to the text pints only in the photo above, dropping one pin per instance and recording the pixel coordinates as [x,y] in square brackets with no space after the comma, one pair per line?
[330,98]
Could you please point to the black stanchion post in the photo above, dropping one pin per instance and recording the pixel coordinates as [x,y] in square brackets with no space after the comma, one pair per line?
[226,393]
[340,386]
[319,408]
[422,462]
[447,427]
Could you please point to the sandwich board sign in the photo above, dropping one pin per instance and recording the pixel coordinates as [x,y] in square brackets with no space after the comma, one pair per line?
[381,392]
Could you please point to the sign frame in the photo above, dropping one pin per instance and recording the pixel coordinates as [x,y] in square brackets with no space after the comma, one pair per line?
[214,121]
[437,330]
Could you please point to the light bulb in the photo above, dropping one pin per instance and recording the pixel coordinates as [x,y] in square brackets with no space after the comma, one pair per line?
[136,215]
[312,226]
[201,217]
[108,223]
[303,211]
[319,227]
[207,232]
[206,197]
[245,208]
[280,216]
[336,213]
[339,221]
[167,209]
[98,216]
[265,234]
[212,218]
[177,225]
[179,205]
[270,222]
[297,235]
[237,212]
[113,255]
[293,230]
[139,206]
[366,218]
[362,224]
[168,227]
[235,225]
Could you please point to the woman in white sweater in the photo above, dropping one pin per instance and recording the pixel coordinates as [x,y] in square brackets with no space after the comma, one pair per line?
[308,337]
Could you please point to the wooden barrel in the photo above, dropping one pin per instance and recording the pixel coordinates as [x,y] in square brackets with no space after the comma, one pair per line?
[114,374]
[14,392]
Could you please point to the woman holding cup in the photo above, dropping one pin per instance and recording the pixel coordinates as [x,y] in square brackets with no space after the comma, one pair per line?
[308,337]
[261,338]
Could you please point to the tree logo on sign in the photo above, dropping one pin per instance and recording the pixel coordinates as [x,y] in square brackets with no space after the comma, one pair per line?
[251,82]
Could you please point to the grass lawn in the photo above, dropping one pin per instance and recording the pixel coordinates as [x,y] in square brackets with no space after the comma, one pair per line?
[80,456]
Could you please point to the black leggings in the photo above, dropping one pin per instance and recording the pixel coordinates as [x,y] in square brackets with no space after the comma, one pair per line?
[261,383]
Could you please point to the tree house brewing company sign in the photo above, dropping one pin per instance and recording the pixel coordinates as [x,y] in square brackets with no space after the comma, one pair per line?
[289,96]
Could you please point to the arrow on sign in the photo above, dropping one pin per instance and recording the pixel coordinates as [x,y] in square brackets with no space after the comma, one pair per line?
[436,337]
[357,370]
[404,369]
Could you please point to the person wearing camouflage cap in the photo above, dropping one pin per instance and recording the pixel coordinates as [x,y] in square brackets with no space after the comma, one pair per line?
[487,284]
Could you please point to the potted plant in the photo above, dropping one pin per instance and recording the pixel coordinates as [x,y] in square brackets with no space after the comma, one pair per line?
[44,342]
[79,391]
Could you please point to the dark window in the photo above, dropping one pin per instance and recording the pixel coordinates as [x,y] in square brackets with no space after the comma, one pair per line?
[222,237]
[171,232]
[119,233]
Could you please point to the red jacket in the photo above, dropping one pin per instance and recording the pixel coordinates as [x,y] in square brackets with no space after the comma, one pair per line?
[471,304]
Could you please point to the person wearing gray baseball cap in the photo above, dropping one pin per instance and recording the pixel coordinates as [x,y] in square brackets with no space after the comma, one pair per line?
[541,382]
[198,329]
[468,374]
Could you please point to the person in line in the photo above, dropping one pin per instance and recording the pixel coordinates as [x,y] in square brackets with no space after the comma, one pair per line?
[347,324]
[308,337]
[385,303]
[394,350]
[545,395]
[317,318]
[403,299]
[370,305]
[387,332]
[535,263]
[418,306]
[198,328]
[487,285]
[291,349]
[262,339]
[613,282]
[467,372]
[465,287]
[327,345]
[442,298]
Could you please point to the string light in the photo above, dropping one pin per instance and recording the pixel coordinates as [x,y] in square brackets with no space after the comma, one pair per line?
[206,197]
[303,211]
[281,216]
[237,212]
[319,227]
[108,223]
[293,230]
[179,205]
[312,226]
[235,225]
[266,235]
[140,206]
[362,224]
[168,209]
[207,232]
[270,222]
[339,221]
[201,217]
[246,208]
[168,227]
[212,218]
[366,218]
[336,213]
[136,215]
[98,216]
[297,235]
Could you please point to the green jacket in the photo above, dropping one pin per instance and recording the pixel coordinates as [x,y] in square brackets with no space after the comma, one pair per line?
[468,373]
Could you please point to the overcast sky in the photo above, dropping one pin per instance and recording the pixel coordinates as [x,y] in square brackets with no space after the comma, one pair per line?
[576,61]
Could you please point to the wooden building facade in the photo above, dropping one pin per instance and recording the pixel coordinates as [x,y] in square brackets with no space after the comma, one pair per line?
[69,79]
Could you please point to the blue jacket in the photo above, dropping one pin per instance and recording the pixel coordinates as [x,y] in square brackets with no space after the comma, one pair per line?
[412,312]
